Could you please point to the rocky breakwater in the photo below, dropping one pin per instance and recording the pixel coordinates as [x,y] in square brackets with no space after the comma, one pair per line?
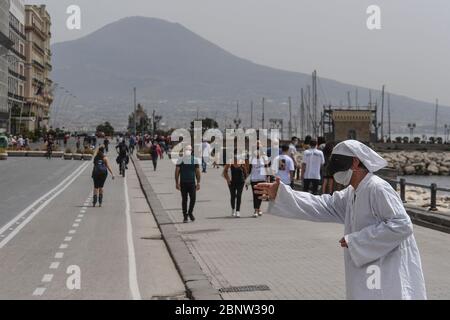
[419,163]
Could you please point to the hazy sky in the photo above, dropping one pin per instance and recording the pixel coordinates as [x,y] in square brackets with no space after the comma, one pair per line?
[410,54]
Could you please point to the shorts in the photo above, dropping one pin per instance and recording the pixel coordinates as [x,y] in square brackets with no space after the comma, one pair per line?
[99,180]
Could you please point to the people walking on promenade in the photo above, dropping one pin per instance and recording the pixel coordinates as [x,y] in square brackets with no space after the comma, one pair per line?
[99,175]
[381,257]
[293,154]
[106,144]
[258,168]
[156,154]
[283,166]
[206,152]
[327,177]
[132,144]
[313,160]
[187,181]
[236,183]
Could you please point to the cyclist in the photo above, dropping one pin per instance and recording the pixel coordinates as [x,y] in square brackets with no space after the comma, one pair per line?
[50,144]
[123,151]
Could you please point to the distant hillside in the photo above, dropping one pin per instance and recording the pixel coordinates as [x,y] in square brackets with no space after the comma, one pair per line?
[168,62]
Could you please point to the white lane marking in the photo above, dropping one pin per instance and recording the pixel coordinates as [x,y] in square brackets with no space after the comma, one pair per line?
[84,208]
[77,220]
[68,239]
[132,273]
[47,278]
[59,255]
[74,176]
[40,200]
[83,211]
[80,215]
[64,246]
[39,291]
[72,231]
[75,225]
[54,265]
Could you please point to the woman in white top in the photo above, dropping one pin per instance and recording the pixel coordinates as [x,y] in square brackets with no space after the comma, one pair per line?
[258,173]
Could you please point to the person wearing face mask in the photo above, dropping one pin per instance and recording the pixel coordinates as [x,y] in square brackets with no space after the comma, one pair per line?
[382,260]
[187,181]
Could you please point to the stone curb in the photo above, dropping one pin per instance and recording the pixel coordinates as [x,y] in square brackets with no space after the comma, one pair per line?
[195,280]
[429,219]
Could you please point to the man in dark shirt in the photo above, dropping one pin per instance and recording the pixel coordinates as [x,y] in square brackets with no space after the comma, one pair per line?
[187,180]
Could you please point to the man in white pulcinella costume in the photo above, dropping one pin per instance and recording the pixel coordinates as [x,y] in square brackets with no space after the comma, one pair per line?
[382,260]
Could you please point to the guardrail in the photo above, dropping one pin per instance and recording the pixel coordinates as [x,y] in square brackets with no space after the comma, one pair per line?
[433,189]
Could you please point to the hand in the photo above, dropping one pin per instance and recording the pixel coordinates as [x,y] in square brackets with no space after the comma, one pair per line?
[198,187]
[178,186]
[268,191]
[113,177]
[343,243]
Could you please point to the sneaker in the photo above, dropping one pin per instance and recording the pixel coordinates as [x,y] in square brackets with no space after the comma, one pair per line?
[186,220]
[233,213]
[238,214]
[191,216]
[255,215]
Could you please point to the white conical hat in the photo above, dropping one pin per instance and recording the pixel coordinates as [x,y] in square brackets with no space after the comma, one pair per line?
[372,160]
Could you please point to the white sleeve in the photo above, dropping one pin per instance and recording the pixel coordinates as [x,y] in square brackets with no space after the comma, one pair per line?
[377,240]
[305,206]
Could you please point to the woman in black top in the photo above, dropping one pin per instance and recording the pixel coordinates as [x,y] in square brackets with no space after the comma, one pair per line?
[236,184]
[327,178]
[99,175]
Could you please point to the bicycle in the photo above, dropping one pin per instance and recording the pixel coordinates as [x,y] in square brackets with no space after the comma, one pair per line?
[123,167]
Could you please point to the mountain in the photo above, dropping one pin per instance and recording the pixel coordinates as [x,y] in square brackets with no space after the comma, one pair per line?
[169,63]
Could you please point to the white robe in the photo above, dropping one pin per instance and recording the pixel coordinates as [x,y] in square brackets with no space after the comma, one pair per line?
[379,232]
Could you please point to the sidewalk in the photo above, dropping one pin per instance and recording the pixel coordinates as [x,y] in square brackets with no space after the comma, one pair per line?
[272,257]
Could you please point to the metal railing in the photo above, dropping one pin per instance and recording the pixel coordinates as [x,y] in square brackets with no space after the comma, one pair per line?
[433,190]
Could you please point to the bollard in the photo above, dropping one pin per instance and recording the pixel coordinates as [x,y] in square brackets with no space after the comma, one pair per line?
[433,197]
[403,189]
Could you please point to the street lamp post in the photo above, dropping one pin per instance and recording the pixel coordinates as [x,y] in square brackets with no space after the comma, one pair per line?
[411,127]
[447,132]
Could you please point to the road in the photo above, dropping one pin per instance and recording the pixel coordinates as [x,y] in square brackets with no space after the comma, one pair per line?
[55,245]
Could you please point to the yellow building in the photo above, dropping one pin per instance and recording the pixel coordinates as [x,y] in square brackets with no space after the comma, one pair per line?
[343,124]
[38,86]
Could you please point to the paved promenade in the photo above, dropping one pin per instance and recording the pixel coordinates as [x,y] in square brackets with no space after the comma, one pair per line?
[295,259]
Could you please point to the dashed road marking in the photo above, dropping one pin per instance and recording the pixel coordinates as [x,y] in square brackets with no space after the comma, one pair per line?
[75,225]
[47,278]
[80,215]
[68,239]
[54,265]
[39,291]
[83,211]
[72,231]
[78,220]
[49,196]
[63,246]
[59,255]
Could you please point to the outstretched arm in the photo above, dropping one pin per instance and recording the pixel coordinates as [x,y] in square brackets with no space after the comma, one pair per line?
[288,203]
